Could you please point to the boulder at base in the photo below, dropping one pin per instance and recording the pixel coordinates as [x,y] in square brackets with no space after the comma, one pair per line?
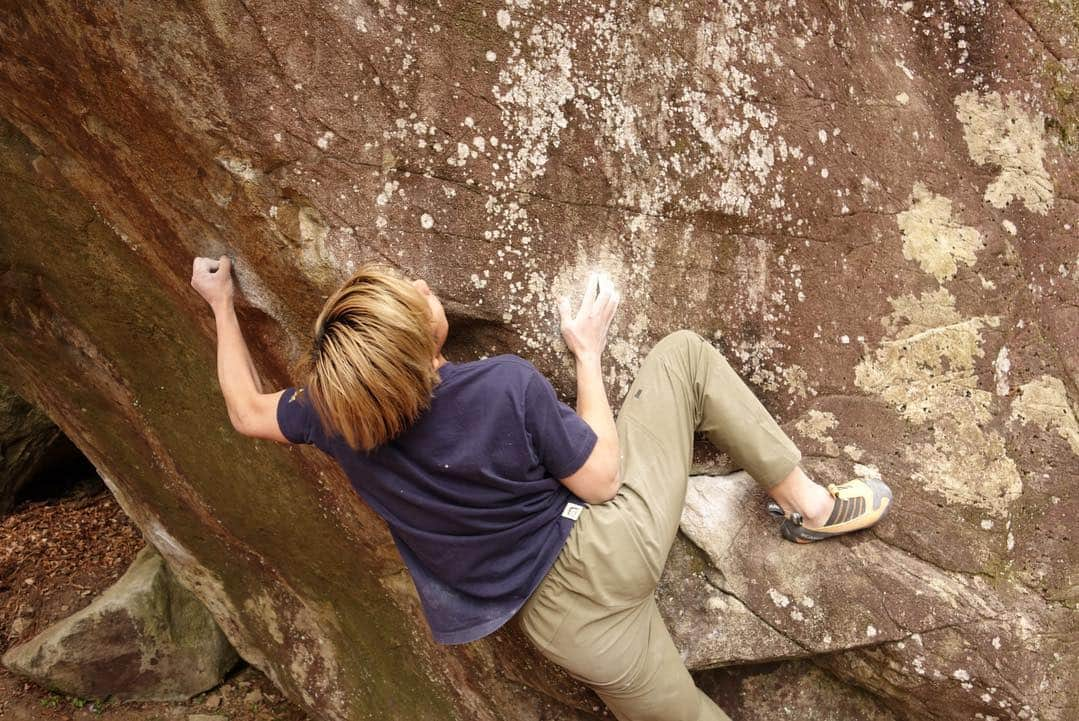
[145,638]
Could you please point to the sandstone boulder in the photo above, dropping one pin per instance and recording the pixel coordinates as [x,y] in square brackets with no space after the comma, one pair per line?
[930,635]
[869,206]
[144,638]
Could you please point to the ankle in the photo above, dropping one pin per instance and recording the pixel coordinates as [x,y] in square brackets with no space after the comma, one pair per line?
[818,508]
[798,493]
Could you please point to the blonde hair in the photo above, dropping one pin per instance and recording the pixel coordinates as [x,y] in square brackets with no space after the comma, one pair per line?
[370,372]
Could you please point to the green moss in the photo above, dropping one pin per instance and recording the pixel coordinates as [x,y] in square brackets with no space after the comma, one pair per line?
[1063,91]
[1063,121]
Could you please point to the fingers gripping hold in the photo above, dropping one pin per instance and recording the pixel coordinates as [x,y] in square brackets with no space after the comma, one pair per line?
[212,278]
[587,330]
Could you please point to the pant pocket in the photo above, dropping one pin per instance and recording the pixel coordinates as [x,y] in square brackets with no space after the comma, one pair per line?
[544,613]
[616,569]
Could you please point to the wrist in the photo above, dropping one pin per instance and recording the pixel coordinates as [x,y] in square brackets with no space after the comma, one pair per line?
[221,305]
[590,359]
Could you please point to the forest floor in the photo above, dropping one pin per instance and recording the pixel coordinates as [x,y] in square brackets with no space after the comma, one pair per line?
[56,556]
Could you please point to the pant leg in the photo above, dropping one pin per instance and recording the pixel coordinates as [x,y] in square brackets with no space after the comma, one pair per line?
[595,613]
[686,385]
[628,658]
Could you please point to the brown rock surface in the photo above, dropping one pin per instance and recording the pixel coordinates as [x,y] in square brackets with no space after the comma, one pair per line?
[871,206]
[919,636]
[56,556]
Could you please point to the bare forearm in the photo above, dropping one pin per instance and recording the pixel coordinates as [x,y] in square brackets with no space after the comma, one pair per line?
[235,370]
[594,408]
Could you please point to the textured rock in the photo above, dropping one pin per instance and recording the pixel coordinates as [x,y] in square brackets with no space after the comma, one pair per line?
[921,636]
[27,437]
[870,206]
[796,691]
[144,638]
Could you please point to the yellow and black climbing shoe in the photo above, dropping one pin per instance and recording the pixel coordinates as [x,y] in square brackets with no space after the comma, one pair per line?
[858,504]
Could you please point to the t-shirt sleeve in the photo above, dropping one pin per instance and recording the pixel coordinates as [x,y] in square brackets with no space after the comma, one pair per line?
[295,416]
[560,437]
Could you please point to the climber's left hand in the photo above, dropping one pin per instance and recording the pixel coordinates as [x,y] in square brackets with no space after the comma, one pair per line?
[213,280]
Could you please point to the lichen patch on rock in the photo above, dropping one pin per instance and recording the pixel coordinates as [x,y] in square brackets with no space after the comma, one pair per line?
[999,131]
[933,238]
[815,425]
[1044,402]
[925,370]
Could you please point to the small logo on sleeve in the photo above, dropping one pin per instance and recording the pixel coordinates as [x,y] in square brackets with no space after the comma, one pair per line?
[573,510]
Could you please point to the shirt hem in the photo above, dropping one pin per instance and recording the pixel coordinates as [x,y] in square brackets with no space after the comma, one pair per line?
[475,633]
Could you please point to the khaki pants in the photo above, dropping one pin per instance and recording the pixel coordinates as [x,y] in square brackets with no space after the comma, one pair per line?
[594,613]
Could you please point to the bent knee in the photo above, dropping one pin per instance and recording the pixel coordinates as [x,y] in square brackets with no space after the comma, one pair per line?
[680,341]
[683,337]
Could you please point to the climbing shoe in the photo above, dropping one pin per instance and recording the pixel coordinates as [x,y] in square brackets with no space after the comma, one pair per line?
[859,504]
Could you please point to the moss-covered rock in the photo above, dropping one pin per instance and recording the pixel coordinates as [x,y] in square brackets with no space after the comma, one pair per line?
[145,638]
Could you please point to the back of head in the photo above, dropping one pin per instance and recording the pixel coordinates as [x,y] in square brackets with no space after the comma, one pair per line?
[370,371]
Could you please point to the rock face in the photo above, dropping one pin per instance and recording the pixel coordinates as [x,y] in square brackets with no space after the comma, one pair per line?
[916,634]
[870,206]
[27,437]
[144,638]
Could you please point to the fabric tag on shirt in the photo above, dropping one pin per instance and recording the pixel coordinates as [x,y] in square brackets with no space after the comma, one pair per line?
[573,510]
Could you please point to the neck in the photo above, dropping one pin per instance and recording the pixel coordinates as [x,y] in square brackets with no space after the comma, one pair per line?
[439,361]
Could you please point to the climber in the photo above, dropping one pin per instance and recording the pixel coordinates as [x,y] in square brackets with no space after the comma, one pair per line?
[506,503]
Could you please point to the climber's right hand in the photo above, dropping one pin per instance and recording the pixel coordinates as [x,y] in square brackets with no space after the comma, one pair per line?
[213,280]
[586,332]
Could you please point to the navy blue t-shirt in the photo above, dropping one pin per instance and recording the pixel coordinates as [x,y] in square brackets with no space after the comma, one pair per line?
[470,490]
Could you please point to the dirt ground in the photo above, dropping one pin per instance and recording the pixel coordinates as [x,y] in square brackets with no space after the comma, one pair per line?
[56,555]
